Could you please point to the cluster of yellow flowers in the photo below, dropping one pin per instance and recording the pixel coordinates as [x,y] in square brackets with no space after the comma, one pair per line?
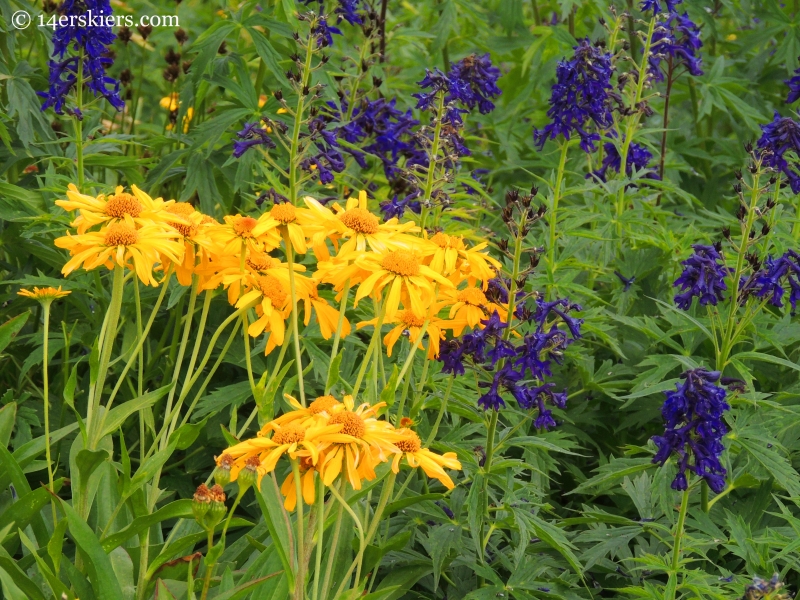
[422,275]
[330,438]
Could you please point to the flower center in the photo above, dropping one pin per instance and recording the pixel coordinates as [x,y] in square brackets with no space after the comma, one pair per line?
[259,262]
[289,435]
[252,463]
[243,227]
[401,262]
[119,234]
[271,288]
[441,239]
[351,424]
[183,209]
[410,443]
[472,296]
[322,404]
[409,319]
[360,220]
[285,213]
[225,461]
[123,204]
[406,422]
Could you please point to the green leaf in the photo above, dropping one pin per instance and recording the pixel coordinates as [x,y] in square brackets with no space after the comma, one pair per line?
[11,472]
[23,511]
[333,370]
[207,45]
[8,417]
[88,461]
[439,544]
[185,435]
[179,509]
[615,469]
[393,507]
[117,415]
[271,503]
[11,328]
[148,469]
[767,358]
[266,404]
[101,572]
[268,54]
[388,392]
[19,579]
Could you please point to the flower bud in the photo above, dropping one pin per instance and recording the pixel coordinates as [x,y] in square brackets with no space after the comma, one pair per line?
[217,510]
[201,502]
[222,474]
[249,475]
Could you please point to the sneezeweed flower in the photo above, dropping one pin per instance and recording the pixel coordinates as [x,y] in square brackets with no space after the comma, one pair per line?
[582,95]
[694,427]
[191,225]
[238,232]
[779,148]
[703,277]
[469,308]
[252,135]
[449,255]
[433,465]
[45,295]
[123,244]
[327,316]
[408,280]
[318,411]
[89,43]
[273,308]
[308,489]
[115,208]
[407,323]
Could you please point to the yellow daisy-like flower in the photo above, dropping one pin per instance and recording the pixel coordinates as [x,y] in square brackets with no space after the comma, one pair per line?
[408,280]
[327,316]
[171,102]
[450,255]
[112,209]
[45,294]
[291,439]
[321,408]
[360,229]
[191,227]
[469,307]
[123,244]
[238,230]
[369,442]
[410,448]
[289,490]
[406,320]
[285,218]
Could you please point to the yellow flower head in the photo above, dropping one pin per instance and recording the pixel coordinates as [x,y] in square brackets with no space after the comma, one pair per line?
[45,294]
[320,409]
[171,102]
[408,280]
[121,243]
[289,490]
[410,447]
[234,275]
[239,230]
[449,255]
[327,316]
[406,320]
[114,208]
[192,226]
[469,307]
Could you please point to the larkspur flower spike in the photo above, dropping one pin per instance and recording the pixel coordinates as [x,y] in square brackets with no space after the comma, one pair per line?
[779,148]
[703,277]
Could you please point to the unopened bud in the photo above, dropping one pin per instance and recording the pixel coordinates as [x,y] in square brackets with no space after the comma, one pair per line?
[222,474]
[249,475]
[201,502]
[217,510]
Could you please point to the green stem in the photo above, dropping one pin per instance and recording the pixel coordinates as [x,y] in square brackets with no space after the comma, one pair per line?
[340,323]
[410,358]
[437,136]
[376,334]
[300,580]
[676,547]
[337,530]
[140,378]
[553,216]
[209,568]
[79,123]
[105,354]
[442,409]
[704,496]
[46,392]
[298,121]
[295,309]
[320,534]
[361,541]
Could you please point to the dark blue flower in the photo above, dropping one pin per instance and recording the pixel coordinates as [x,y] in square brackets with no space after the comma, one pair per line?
[250,136]
[473,82]
[396,207]
[437,82]
[694,427]
[581,95]
[794,88]
[85,33]
[451,355]
[656,5]
[779,138]
[703,277]
[347,10]
[677,37]
[777,272]
[639,158]
[322,32]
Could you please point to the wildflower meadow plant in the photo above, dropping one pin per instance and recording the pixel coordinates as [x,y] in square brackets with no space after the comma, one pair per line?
[338,299]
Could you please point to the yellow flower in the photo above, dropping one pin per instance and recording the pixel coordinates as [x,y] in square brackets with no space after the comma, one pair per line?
[192,228]
[286,219]
[121,243]
[450,255]
[112,209]
[45,294]
[410,448]
[321,408]
[469,307]
[262,100]
[238,230]
[171,102]
[327,316]
[289,490]
[408,321]
[408,280]
[358,227]
[368,442]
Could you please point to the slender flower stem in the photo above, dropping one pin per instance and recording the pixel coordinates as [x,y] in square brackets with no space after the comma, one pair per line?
[437,136]
[320,534]
[374,341]
[361,540]
[298,121]
[105,353]
[665,125]
[140,378]
[295,308]
[442,409]
[300,579]
[676,547]
[209,568]
[411,353]
[46,392]
[340,323]
[553,216]
[335,541]
[79,123]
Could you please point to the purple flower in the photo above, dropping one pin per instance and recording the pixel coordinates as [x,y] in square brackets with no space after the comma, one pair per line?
[794,88]
[639,158]
[437,82]
[656,6]
[473,81]
[703,277]
[677,37]
[777,272]
[347,10]
[396,207]
[779,137]
[252,135]
[694,428]
[322,31]
[86,34]
[581,95]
